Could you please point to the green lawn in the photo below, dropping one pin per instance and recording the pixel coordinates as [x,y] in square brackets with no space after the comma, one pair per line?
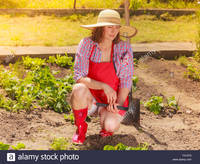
[59,3]
[62,31]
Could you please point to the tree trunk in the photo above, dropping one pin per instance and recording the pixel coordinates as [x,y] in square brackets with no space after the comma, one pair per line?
[74,4]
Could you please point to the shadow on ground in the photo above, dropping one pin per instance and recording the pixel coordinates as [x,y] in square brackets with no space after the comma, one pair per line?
[95,142]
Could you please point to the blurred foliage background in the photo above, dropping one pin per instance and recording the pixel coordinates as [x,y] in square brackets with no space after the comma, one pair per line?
[97,3]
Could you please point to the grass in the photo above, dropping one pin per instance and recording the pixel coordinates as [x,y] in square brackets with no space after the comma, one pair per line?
[92,4]
[62,31]
[160,31]
[59,3]
[172,4]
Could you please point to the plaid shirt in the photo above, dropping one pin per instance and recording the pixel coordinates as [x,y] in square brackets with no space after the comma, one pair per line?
[123,59]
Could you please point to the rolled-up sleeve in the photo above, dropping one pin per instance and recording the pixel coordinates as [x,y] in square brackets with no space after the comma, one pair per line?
[126,68]
[81,63]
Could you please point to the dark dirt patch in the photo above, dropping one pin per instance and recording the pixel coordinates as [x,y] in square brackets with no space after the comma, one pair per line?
[95,142]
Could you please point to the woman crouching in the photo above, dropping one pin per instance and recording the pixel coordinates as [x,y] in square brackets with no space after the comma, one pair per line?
[103,72]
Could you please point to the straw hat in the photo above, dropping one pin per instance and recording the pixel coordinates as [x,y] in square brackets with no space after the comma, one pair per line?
[111,18]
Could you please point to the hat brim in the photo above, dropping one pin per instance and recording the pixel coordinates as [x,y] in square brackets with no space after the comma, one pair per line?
[92,26]
[125,31]
[128,31]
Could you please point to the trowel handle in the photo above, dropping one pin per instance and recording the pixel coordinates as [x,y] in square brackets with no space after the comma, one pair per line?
[105,105]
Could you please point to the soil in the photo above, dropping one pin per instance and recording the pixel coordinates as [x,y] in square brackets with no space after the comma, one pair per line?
[167,131]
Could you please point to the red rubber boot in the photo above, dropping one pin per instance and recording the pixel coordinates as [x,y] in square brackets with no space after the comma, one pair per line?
[104,133]
[80,116]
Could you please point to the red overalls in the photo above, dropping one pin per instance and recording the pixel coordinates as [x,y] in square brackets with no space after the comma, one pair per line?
[104,72]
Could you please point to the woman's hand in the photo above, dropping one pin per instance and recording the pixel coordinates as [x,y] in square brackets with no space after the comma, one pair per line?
[111,94]
[112,108]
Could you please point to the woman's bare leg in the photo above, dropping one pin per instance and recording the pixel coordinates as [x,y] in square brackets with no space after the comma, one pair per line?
[109,121]
[81,98]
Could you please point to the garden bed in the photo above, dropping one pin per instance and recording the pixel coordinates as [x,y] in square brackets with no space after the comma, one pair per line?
[179,130]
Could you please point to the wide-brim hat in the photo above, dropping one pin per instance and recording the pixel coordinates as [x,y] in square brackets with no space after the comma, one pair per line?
[112,18]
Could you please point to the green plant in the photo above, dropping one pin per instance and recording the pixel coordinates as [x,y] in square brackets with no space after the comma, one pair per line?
[9,82]
[7,103]
[74,17]
[19,146]
[18,90]
[33,63]
[183,61]
[62,61]
[193,72]
[39,88]
[52,92]
[4,146]
[172,103]
[135,4]
[61,144]
[135,80]
[52,59]
[154,104]
[7,146]
[135,61]
[69,117]
[121,146]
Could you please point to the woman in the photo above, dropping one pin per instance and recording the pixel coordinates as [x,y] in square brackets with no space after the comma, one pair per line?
[103,73]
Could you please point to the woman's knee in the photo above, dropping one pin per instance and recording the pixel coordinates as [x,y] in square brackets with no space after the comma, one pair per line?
[80,96]
[111,124]
[79,91]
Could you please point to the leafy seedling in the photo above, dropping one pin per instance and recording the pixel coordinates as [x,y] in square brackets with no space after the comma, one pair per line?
[121,146]
[154,104]
[61,144]
[19,146]
[135,80]
[4,146]
[69,117]
[172,103]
